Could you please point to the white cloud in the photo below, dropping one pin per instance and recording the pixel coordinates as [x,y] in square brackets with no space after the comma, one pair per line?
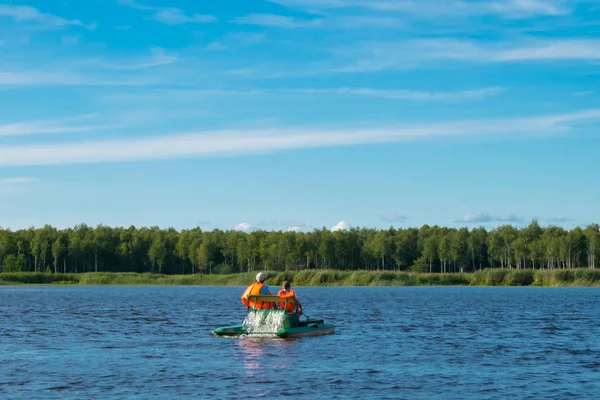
[16,181]
[340,226]
[361,21]
[158,58]
[585,49]
[557,220]
[294,229]
[259,141]
[13,186]
[36,78]
[380,56]
[511,9]
[26,13]
[476,218]
[170,15]
[394,217]
[275,20]
[64,125]
[174,16]
[191,95]
[481,217]
[244,227]
[329,22]
[406,94]
[512,217]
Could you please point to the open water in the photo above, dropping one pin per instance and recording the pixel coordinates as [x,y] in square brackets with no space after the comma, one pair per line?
[391,343]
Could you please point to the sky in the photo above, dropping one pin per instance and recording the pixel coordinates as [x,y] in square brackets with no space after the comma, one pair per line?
[299,114]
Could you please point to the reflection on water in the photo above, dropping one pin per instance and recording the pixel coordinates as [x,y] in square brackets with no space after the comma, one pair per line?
[266,355]
[253,352]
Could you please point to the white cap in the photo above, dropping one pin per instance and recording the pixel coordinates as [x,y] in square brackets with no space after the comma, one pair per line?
[261,276]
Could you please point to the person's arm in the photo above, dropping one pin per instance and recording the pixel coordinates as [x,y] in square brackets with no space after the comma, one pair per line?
[298,303]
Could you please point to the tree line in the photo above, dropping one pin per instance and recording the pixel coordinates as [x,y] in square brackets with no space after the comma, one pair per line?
[432,249]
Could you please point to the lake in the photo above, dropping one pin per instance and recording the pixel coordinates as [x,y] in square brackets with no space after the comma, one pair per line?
[390,343]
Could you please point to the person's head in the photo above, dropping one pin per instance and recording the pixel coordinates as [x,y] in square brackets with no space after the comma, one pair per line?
[261,277]
[286,285]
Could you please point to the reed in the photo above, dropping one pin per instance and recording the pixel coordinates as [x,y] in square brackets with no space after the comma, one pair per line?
[489,277]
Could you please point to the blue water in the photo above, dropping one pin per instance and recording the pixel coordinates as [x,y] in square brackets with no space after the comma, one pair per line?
[390,343]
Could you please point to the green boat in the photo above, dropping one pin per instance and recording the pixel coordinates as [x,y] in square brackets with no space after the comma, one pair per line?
[276,323]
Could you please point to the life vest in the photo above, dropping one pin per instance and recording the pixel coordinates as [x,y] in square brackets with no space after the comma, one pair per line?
[291,305]
[255,289]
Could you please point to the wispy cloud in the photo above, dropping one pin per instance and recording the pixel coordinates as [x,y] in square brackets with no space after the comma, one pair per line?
[512,9]
[584,93]
[275,20]
[329,22]
[16,181]
[512,217]
[12,186]
[585,49]
[394,218]
[65,125]
[191,95]
[481,218]
[174,16]
[260,141]
[475,218]
[557,220]
[170,15]
[485,218]
[26,13]
[158,58]
[408,94]
[378,56]
[36,78]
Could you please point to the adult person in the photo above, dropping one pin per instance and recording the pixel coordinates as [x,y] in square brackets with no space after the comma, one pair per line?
[258,288]
[293,303]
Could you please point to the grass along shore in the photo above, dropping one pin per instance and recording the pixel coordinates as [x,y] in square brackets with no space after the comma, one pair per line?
[490,277]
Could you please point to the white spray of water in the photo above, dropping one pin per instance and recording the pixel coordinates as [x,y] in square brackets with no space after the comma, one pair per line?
[257,322]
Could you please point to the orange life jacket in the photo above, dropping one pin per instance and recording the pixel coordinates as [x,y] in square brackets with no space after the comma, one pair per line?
[291,305]
[255,289]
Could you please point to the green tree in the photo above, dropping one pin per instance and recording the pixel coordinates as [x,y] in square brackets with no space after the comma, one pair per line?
[59,252]
[10,264]
[519,248]
[592,235]
[157,251]
[477,247]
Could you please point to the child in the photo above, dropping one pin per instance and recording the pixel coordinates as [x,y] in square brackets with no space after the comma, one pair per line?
[292,303]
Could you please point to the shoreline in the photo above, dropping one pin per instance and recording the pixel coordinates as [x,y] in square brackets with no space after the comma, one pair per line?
[582,277]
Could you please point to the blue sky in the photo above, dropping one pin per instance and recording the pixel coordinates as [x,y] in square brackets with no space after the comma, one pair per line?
[299,114]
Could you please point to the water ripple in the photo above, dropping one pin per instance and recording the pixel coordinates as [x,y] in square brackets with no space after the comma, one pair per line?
[443,343]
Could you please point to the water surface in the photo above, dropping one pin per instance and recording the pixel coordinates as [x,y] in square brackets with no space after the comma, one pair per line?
[391,343]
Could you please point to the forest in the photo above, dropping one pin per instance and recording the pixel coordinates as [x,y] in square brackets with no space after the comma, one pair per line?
[428,249]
